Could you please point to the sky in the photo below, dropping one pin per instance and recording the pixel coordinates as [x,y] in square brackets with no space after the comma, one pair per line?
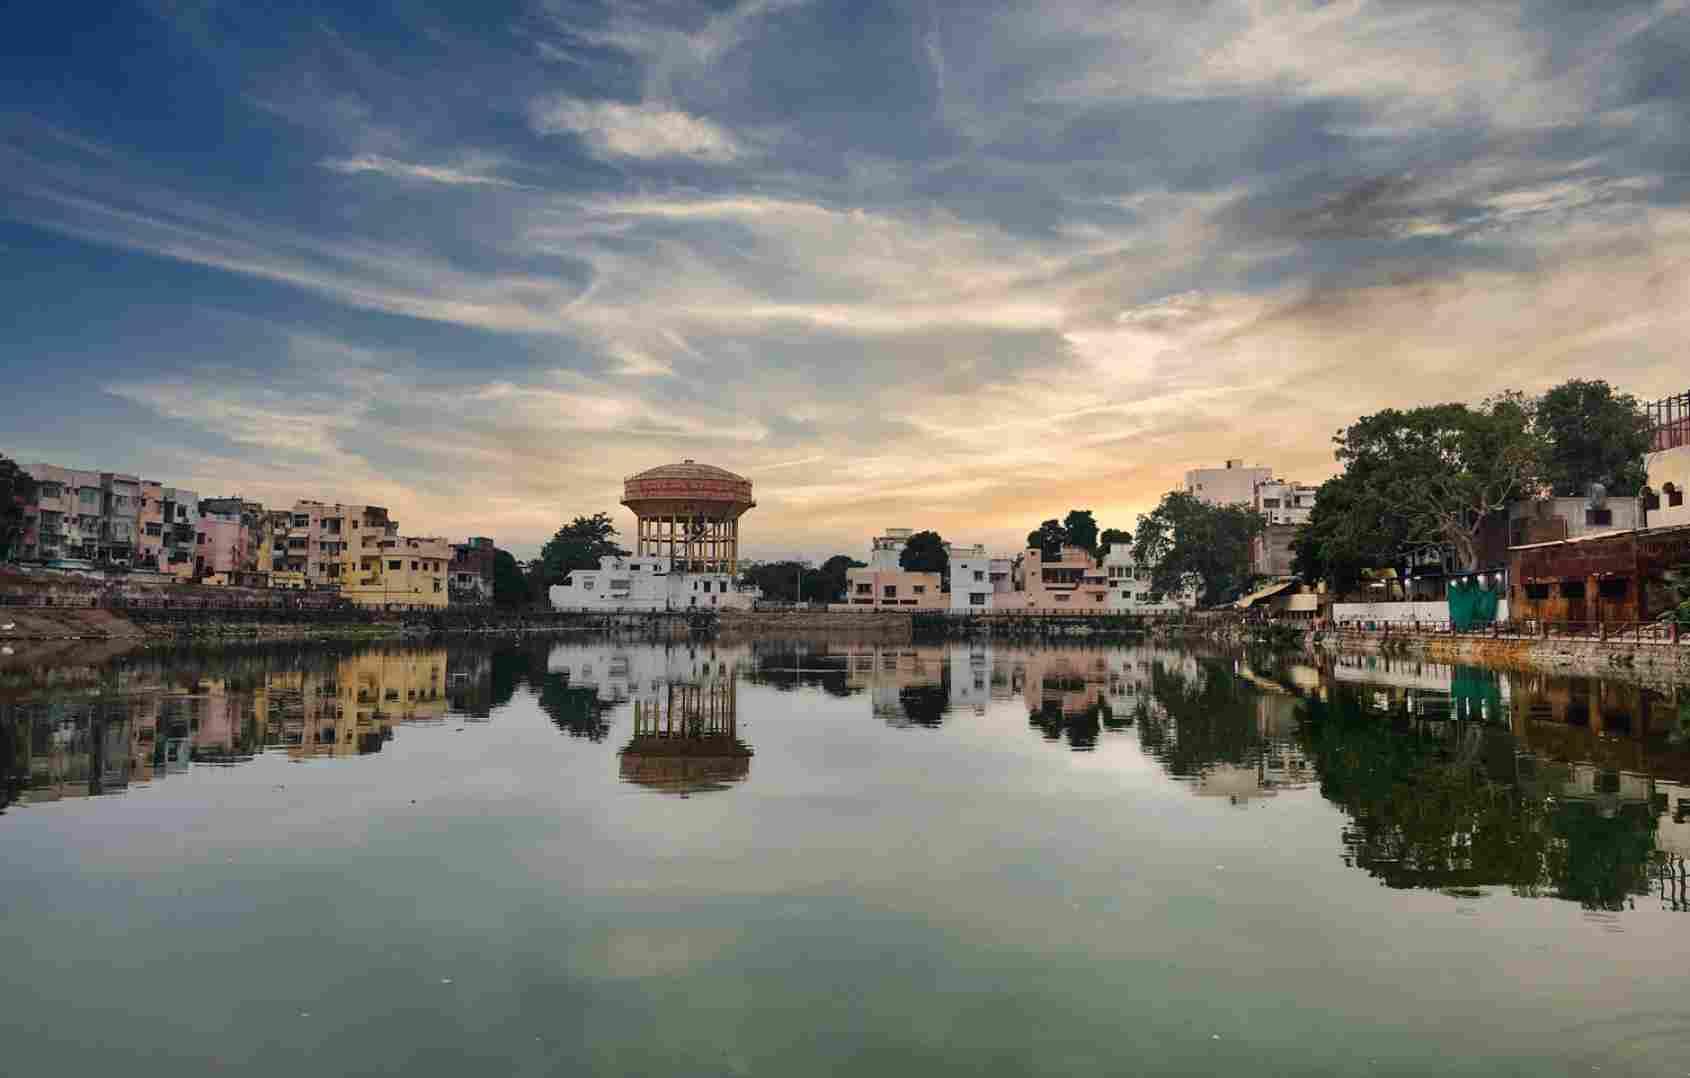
[961,266]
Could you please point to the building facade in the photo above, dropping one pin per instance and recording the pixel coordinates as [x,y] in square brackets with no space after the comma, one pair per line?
[380,568]
[1669,478]
[978,580]
[1603,578]
[1070,581]
[1284,502]
[470,574]
[649,583]
[1232,485]
[1130,590]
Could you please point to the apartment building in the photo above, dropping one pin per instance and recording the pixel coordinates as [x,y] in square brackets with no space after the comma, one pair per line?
[84,515]
[883,583]
[380,568]
[470,573]
[978,579]
[179,519]
[1130,590]
[1072,580]
[1285,502]
[1231,485]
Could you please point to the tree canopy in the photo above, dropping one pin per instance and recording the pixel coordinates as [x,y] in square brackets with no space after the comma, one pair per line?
[17,489]
[1185,538]
[924,552]
[510,587]
[831,578]
[1048,538]
[578,545]
[1425,477]
[1111,538]
[1591,434]
[1078,528]
[780,580]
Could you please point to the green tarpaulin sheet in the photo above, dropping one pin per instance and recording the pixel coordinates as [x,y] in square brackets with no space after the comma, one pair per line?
[1471,605]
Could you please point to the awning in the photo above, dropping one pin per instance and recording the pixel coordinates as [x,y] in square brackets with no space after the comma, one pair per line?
[1265,593]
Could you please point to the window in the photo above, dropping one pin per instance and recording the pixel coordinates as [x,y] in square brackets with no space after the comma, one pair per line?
[414,566]
[395,565]
[50,490]
[88,496]
[1614,587]
[1572,589]
[920,589]
[865,589]
[976,598]
[1062,598]
[707,586]
[890,591]
[1675,495]
[200,539]
[1270,503]
[1598,516]
[979,575]
[300,520]
[587,582]
[155,529]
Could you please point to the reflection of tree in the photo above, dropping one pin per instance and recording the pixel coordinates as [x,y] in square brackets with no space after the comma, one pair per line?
[578,712]
[1427,811]
[788,669]
[506,670]
[1199,723]
[1080,727]
[925,705]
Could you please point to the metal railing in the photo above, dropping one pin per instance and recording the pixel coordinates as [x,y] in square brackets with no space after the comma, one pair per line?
[1640,632]
[1669,422]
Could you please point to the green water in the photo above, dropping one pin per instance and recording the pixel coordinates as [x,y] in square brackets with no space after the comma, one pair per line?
[801,859]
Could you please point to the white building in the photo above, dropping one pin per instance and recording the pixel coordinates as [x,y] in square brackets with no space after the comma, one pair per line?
[1283,502]
[1129,586]
[977,579]
[1669,478]
[632,583]
[1231,485]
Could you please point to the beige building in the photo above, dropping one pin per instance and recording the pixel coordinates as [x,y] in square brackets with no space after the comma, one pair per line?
[1070,582]
[1231,485]
[1669,477]
[883,584]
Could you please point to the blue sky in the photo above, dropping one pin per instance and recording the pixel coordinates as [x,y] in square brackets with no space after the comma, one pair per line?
[951,265]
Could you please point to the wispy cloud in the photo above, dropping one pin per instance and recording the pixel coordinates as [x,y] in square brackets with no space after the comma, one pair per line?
[405,170]
[645,132]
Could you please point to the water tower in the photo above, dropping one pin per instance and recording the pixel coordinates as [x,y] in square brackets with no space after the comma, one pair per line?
[689,513]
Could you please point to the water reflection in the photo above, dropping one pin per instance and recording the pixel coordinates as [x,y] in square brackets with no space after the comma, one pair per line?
[101,730]
[1451,778]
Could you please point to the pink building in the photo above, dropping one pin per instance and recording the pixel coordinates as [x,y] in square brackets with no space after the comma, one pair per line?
[222,545]
[1072,580]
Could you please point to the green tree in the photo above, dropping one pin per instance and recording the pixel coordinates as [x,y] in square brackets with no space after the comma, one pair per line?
[1081,528]
[924,552]
[1049,538]
[1111,538]
[1185,539]
[781,580]
[832,577]
[510,587]
[1592,434]
[17,489]
[578,545]
[1430,476]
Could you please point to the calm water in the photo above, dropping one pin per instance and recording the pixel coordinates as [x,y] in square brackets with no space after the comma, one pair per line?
[803,859]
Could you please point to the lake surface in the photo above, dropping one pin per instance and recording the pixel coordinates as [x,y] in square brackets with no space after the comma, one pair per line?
[811,859]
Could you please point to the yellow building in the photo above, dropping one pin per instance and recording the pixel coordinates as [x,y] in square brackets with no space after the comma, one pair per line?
[385,569]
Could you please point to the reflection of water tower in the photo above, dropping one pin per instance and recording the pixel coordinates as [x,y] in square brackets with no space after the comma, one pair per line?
[686,738]
[689,512]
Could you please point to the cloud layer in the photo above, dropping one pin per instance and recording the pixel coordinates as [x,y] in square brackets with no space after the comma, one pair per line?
[965,270]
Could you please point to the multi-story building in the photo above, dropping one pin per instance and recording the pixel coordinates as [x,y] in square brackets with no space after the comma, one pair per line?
[179,518]
[884,583]
[120,516]
[1231,485]
[470,574]
[381,568]
[54,523]
[978,579]
[1284,502]
[1130,589]
[1072,580]
[149,532]
[315,542]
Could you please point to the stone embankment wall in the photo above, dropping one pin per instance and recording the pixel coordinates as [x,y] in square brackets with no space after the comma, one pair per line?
[1652,663]
[891,626]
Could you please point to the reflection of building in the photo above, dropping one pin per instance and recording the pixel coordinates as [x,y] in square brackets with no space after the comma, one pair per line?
[686,738]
